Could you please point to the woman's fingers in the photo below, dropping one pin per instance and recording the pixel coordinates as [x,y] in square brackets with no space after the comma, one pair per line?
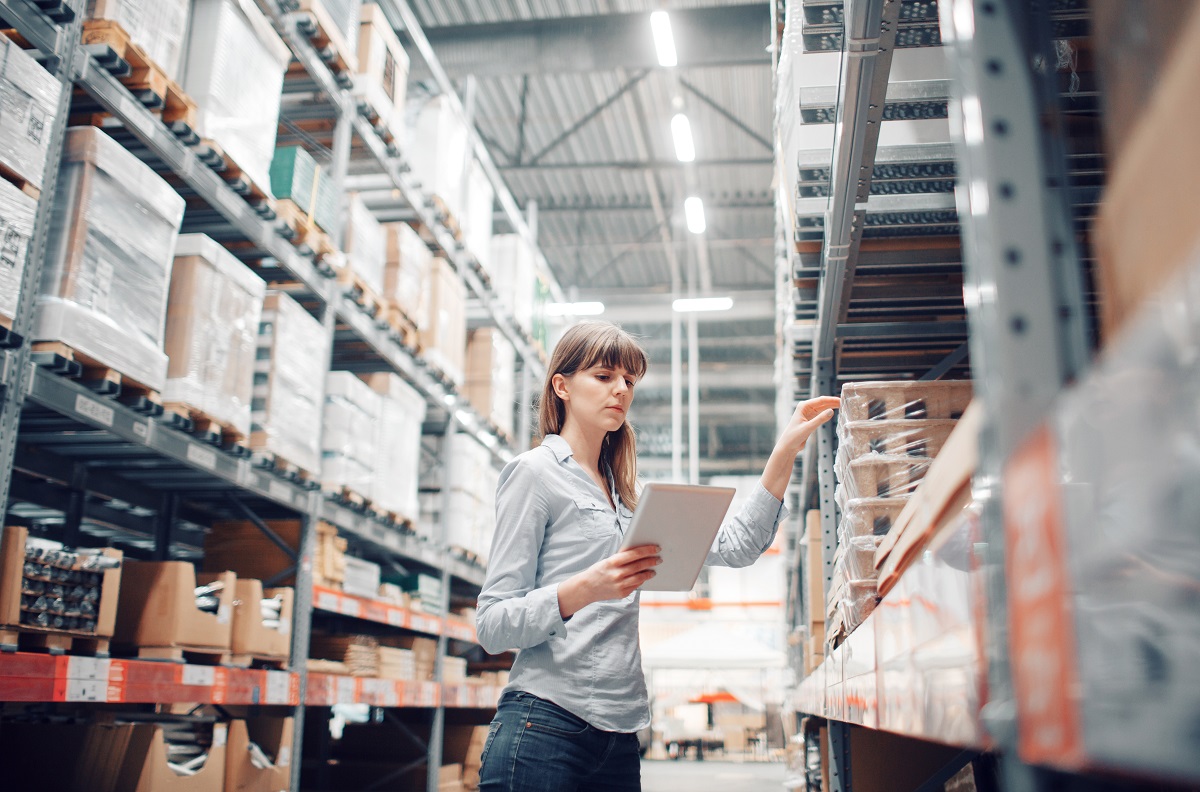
[811,408]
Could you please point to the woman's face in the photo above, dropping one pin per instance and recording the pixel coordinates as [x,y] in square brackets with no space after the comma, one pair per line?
[597,397]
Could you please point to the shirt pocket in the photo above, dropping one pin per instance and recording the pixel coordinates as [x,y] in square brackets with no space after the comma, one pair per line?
[595,518]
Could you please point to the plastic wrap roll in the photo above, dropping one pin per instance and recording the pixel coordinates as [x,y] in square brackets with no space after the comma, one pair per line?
[382,78]
[895,400]
[157,26]
[29,98]
[16,227]
[107,270]
[212,331]
[398,451]
[349,433]
[408,262]
[365,244]
[234,71]
[289,383]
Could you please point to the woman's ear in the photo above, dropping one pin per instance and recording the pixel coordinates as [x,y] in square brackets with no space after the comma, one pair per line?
[559,383]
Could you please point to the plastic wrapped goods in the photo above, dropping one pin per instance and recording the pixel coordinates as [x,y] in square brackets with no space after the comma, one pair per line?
[289,383]
[477,215]
[297,177]
[157,26]
[880,476]
[382,79]
[471,479]
[28,105]
[445,334]
[398,446]
[869,517]
[491,376]
[16,227]
[349,433]
[896,438]
[892,400]
[365,244]
[409,260]
[513,277]
[213,312]
[107,270]
[339,21]
[234,71]
[438,152]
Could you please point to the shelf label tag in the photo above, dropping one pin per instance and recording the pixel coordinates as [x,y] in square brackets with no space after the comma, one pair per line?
[279,688]
[86,690]
[397,617]
[204,457]
[280,491]
[347,690]
[90,408]
[220,684]
[328,601]
[141,429]
[350,607]
[88,668]
[200,676]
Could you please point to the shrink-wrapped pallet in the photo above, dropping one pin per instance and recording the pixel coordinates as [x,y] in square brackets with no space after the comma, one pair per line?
[398,450]
[234,71]
[338,20]
[438,142]
[365,244]
[382,79]
[349,434]
[296,177]
[912,438]
[30,103]
[289,380]
[514,276]
[478,212]
[409,260]
[107,269]
[491,376]
[892,400]
[471,480]
[157,26]
[869,517]
[213,311]
[16,227]
[445,336]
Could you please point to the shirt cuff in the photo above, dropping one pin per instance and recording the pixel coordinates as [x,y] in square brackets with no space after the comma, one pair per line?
[545,603]
[766,506]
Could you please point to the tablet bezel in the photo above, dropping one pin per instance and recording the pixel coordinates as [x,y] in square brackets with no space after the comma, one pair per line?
[682,519]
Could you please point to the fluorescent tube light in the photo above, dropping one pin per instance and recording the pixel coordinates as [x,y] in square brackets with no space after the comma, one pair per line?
[693,209]
[694,304]
[664,41]
[575,309]
[681,133]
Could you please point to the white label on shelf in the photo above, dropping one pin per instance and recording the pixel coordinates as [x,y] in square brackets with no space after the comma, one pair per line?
[204,457]
[279,686]
[86,690]
[137,116]
[141,429]
[346,692]
[200,676]
[280,491]
[328,601]
[285,756]
[350,607]
[88,668]
[90,408]
[395,617]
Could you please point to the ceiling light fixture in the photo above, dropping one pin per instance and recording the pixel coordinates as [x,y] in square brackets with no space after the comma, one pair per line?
[664,41]
[575,309]
[681,133]
[693,209]
[696,304]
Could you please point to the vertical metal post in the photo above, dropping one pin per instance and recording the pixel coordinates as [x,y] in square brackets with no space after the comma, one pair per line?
[1027,328]
[839,757]
[434,755]
[73,518]
[164,526]
[302,627]
[825,483]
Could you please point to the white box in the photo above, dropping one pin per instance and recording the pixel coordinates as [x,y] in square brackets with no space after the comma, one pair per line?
[362,578]
[29,96]
[437,151]
[157,26]
[16,227]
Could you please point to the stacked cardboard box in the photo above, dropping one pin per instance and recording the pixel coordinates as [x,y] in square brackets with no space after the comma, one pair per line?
[273,736]
[382,79]
[107,271]
[234,71]
[289,379]
[242,547]
[454,670]
[349,433]
[213,312]
[408,263]
[888,435]
[255,635]
[445,336]
[296,176]
[440,135]
[491,376]
[514,277]
[814,593]
[157,26]
[361,577]
[395,663]
[424,653]
[470,519]
[398,447]
[365,245]
[159,610]
[360,653]
[31,100]
[478,213]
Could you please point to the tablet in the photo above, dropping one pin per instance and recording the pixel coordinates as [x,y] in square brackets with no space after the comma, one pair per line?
[683,520]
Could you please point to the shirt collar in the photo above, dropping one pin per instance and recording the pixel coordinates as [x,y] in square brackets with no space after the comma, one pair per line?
[559,446]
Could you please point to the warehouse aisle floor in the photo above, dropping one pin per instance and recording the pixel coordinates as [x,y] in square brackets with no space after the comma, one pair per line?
[709,776]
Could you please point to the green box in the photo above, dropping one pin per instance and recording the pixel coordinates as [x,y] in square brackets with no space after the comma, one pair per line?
[293,173]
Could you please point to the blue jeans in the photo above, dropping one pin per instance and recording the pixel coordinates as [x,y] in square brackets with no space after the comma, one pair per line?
[536,746]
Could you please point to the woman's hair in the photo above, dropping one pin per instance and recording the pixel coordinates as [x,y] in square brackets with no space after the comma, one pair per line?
[585,345]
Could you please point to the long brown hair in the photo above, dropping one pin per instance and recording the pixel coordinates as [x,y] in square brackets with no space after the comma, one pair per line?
[585,345]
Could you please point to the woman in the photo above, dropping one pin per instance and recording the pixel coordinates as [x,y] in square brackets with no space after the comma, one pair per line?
[559,593]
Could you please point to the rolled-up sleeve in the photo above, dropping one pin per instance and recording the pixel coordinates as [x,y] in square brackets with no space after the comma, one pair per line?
[750,533]
[513,613]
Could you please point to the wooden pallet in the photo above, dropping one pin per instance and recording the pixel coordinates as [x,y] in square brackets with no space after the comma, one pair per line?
[146,80]
[403,325]
[212,154]
[305,233]
[283,467]
[442,210]
[196,655]
[220,432]
[345,495]
[258,661]
[366,298]
[25,638]
[368,110]
[392,518]
[20,182]
[315,22]
[101,377]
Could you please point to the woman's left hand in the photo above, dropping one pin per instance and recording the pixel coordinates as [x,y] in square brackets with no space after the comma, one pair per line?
[808,416]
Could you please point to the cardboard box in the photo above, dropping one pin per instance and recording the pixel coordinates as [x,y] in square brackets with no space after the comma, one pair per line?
[274,737]
[408,262]
[242,547]
[30,106]
[158,607]
[12,571]
[514,276]
[441,136]
[814,569]
[349,434]
[445,335]
[157,26]
[145,768]
[107,270]
[252,638]
[16,225]
[394,487]
[213,312]
[1146,226]
[424,652]
[296,177]
[361,577]
[382,79]
[365,244]
[491,376]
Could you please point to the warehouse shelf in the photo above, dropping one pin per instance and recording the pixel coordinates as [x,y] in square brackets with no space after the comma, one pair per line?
[333,601]
[35,26]
[327,690]
[28,677]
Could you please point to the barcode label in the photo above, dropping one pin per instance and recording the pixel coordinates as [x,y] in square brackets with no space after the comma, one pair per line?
[279,686]
[328,601]
[86,690]
[200,676]
[88,668]
[204,457]
[89,408]
[280,491]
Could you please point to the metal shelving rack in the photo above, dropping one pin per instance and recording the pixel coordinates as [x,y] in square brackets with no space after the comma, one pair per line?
[873,260]
[157,481]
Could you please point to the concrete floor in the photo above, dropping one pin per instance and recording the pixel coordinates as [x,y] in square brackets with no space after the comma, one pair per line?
[711,776]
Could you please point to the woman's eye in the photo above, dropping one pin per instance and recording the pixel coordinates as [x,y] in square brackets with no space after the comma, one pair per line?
[602,376]
[629,383]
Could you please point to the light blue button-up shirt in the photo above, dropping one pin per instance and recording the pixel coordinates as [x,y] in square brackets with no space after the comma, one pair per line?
[552,522]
